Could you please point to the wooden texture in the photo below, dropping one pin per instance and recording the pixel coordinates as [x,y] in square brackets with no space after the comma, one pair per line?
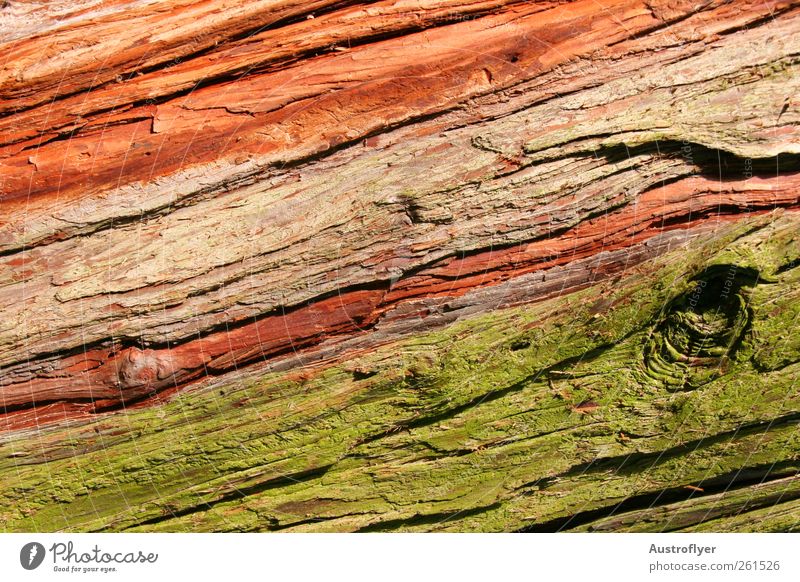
[467,265]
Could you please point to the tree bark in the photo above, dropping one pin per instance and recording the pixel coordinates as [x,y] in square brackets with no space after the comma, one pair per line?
[356,266]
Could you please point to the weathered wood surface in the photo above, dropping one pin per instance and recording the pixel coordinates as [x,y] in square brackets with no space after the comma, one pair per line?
[454,265]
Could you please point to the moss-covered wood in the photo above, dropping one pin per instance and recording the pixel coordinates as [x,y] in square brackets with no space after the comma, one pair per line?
[664,400]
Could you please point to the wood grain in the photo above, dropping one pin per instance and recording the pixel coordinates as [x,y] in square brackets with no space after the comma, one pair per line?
[201,200]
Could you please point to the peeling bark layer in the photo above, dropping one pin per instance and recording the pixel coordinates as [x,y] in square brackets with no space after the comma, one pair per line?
[484,265]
